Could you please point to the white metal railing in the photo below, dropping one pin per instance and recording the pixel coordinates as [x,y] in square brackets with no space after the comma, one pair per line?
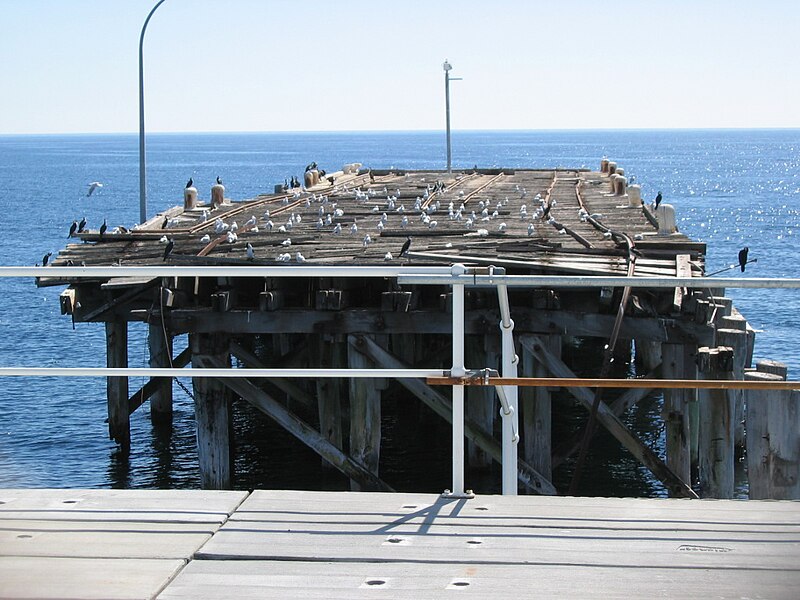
[457,276]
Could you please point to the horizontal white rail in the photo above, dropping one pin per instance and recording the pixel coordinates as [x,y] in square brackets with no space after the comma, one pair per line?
[290,270]
[574,281]
[232,373]
[457,274]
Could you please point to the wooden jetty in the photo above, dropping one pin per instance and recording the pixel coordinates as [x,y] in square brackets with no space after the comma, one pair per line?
[527,221]
[291,544]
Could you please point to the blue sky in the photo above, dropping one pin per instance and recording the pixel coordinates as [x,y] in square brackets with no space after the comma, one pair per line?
[278,65]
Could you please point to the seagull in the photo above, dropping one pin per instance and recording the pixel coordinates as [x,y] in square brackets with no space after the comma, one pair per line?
[743,257]
[205,239]
[82,225]
[388,256]
[92,187]
[354,228]
[300,258]
[287,242]
[251,222]
[406,246]
[46,258]
[658,199]
[530,229]
[189,183]
[103,228]
[251,254]
[501,227]
[367,240]
[168,249]
[232,237]
[72,229]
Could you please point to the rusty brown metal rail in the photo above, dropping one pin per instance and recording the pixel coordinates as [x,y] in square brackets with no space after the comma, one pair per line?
[676,384]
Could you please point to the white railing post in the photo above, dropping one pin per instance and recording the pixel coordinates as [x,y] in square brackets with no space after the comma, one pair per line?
[458,370]
[509,410]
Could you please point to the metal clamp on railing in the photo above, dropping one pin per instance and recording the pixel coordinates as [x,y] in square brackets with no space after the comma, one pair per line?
[506,408]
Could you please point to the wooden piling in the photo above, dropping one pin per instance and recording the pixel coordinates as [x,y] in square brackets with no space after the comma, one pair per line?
[365,414]
[716,457]
[678,363]
[119,427]
[537,409]
[736,339]
[328,352]
[160,348]
[648,353]
[773,437]
[212,414]
[481,352]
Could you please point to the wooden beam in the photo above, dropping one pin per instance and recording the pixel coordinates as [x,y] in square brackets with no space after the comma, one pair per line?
[113,303]
[300,429]
[442,406]
[562,322]
[632,396]
[610,421]
[143,394]
[583,382]
[293,390]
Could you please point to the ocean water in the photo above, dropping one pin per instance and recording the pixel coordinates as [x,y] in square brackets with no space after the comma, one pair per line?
[730,188]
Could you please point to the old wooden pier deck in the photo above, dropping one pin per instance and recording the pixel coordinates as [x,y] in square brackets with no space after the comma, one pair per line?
[528,221]
[292,544]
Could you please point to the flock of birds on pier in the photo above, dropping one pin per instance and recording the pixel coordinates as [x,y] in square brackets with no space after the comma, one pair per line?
[361,212]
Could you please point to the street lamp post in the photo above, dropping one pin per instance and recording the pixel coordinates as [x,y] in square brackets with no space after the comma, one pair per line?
[142,177]
[447,79]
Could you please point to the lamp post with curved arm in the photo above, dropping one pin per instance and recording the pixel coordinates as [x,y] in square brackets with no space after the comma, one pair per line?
[142,177]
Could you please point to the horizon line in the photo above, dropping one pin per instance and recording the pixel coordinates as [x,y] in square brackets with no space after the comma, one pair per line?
[400,131]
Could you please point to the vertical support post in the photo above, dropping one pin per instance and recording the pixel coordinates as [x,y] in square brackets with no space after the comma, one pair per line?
[328,354]
[119,426]
[365,416]
[773,437]
[212,414]
[458,370]
[160,348]
[537,410]
[716,425]
[677,363]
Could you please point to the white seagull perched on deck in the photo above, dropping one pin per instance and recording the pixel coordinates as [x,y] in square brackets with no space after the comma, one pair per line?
[92,187]
[251,254]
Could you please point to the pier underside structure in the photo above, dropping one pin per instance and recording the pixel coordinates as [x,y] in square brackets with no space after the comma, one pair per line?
[524,221]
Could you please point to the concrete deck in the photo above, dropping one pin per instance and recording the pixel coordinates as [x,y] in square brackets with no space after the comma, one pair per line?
[290,544]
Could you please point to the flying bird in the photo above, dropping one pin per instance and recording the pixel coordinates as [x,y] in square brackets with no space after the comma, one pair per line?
[92,187]
[168,249]
[743,257]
